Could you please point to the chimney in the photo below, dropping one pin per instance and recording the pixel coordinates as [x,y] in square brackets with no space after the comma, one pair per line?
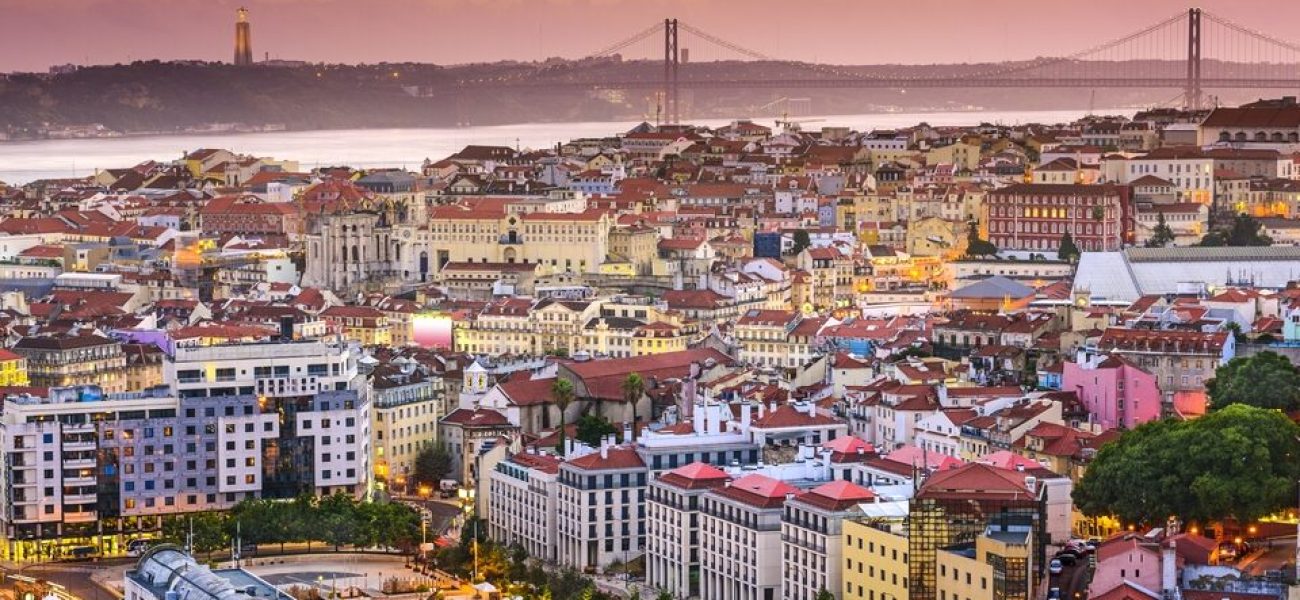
[627,431]
[1031,482]
[604,447]
[745,410]
[697,420]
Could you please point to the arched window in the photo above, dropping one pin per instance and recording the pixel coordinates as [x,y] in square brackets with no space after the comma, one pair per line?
[356,253]
[1241,136]
[1260,136]
[1225,136]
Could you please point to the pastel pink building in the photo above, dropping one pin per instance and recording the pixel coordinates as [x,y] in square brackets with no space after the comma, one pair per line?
[1116,392]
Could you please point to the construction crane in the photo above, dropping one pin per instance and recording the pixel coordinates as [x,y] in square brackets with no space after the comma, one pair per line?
[788,124]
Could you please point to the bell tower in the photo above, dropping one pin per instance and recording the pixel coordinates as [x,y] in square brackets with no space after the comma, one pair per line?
[243,39]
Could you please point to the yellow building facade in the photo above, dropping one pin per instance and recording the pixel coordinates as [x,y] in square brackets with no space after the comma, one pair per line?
[13,369]
[875,560]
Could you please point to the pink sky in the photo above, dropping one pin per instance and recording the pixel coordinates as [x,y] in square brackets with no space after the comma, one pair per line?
[39,33]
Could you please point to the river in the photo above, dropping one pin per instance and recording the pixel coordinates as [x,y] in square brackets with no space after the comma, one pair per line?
[21,162]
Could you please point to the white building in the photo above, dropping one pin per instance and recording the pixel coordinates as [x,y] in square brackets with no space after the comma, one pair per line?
[740,539]
[522,496]
[673,527]
[810,534]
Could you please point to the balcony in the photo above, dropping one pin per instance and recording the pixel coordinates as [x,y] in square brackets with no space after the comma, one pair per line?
[79,463]
[88,516]
[511,239]
[77,480]
[80,499]
[79,446]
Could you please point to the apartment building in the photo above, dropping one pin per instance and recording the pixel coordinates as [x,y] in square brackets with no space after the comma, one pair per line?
[69,360]
[874,548]
[407,407]
[811,525]
[314,384]
[522,501]
[673,527]
[740,539]
[956,505]
[601,507]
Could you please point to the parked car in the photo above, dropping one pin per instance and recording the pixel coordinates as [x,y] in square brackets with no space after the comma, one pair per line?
[137,547]
[1067,558]
[1055,566]
[1054,594]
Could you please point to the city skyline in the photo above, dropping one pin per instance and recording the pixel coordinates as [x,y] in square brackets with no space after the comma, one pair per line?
[444,31]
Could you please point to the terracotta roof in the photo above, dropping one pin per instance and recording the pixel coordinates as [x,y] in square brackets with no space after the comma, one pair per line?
[527,392]
[759,491]
[975,481]
[481,417]
[616,458]
[787,416]
[695,476]
[836,496]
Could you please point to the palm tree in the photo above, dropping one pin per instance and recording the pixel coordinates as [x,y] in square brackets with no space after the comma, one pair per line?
[633,389]
[562,395]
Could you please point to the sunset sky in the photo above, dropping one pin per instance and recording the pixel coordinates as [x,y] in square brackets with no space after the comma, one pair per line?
[39,33]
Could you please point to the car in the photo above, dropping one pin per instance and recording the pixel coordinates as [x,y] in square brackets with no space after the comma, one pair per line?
[1067,558]
[137,547]
[1054,594]
[1227,551]
[1055,566]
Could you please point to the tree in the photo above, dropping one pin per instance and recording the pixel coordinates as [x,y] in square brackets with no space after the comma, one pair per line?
[432,464]
[592,428]
[1245,231]
[562,395]
[204,532]
[1265,380]
[1238,462]
[801,241]
[824,594]
[339,520]
[1069,251]
[665,595]
[1161,235]
[976,246]
[633,390]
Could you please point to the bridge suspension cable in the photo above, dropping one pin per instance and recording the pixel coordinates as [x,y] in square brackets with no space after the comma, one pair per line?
[620,45]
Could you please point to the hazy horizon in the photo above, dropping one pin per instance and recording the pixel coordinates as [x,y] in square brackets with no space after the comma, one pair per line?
[42,33]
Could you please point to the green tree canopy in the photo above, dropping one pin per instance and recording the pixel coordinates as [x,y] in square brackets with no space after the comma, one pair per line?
[1244,231]
[432,464]
[1265,380]
[562,394]
[592,428]
[1068,251]
[1238,462]
[975,245]
[1161,235]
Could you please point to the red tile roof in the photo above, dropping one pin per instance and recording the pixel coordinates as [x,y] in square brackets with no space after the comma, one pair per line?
[759,491]
[696,476]
[837,496]
[975,481]
[616,458]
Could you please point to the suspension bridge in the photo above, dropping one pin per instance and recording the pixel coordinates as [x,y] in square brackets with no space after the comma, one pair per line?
[1191,51]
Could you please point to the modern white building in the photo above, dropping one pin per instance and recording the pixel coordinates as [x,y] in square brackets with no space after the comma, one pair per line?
[810,536]
[522,499]
[673,527]
[740,539]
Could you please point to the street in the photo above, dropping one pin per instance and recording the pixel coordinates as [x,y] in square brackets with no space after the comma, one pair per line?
[1073,580]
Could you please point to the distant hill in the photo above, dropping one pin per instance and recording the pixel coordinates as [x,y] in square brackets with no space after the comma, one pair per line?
[159,97]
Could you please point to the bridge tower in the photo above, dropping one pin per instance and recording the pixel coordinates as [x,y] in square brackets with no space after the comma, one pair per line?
[672,60]
[1192,91]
